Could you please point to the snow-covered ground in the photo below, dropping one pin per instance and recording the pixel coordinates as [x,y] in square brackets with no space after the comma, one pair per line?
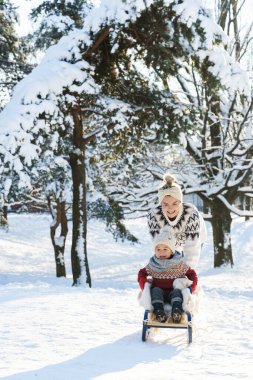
[52,331]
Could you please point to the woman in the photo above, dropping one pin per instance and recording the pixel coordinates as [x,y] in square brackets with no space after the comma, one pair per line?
[180,219]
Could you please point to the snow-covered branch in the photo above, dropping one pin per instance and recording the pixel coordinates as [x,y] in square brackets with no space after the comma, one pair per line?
[234,209]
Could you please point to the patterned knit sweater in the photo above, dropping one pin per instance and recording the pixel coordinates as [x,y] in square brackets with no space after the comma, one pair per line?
[188,228]
[164,272]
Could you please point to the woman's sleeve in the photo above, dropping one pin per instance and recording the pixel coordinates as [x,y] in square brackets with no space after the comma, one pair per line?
[195,235]
[203,232]
[153,226]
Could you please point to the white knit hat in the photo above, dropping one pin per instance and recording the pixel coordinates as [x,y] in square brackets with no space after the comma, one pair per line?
[165,237]
[170,187]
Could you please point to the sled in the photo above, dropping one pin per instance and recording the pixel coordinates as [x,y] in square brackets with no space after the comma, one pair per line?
[149,322]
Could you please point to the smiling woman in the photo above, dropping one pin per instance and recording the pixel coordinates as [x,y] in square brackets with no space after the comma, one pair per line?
[178,218]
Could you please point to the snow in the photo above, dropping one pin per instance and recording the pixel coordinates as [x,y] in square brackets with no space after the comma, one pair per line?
[53,331]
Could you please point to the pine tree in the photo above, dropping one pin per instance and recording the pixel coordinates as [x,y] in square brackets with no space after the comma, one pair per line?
[55,19]
[13,64]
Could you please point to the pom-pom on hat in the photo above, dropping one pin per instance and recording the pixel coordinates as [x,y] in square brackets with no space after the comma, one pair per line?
[170,187]
[165,238]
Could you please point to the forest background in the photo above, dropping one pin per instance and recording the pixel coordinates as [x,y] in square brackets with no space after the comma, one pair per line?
[121,93]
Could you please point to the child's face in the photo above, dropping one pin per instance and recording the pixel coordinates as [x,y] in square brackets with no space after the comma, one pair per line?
[163,251]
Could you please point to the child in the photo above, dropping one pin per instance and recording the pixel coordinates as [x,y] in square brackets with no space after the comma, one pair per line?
[164,267]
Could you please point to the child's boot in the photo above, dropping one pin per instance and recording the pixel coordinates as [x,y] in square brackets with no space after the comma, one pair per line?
[159,313]
[177,312]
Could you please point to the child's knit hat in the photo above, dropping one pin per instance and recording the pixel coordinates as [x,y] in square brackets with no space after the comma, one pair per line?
[165,237]
[170,187]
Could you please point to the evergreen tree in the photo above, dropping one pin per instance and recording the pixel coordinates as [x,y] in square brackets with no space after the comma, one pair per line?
[9,46]
[12,60]
[13,67]
[55,19]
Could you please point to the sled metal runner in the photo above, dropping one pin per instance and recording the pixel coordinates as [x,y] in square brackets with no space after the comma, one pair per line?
[149,322]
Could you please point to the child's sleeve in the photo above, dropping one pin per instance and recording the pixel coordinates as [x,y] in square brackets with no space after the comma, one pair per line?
[192,275]
[142,277]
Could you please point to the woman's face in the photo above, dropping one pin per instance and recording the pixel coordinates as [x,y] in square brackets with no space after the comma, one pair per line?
[170,206]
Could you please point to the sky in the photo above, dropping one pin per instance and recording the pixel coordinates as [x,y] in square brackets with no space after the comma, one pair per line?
[23,9]
[52,331]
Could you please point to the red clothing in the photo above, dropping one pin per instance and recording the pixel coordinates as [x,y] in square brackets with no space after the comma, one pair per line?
[166,283]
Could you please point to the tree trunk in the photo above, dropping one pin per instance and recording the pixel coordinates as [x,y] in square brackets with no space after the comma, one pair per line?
[5,211]
[59,242]
[4,217]
[79,257]
[223,11]
[221,223]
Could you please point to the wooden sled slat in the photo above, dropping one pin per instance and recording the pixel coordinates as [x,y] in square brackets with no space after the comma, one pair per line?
[152,321]
[149,321]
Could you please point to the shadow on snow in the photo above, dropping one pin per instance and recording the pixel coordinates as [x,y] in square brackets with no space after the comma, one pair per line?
[120,355]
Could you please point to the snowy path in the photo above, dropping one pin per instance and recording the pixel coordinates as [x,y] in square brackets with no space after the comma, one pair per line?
[51,331]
